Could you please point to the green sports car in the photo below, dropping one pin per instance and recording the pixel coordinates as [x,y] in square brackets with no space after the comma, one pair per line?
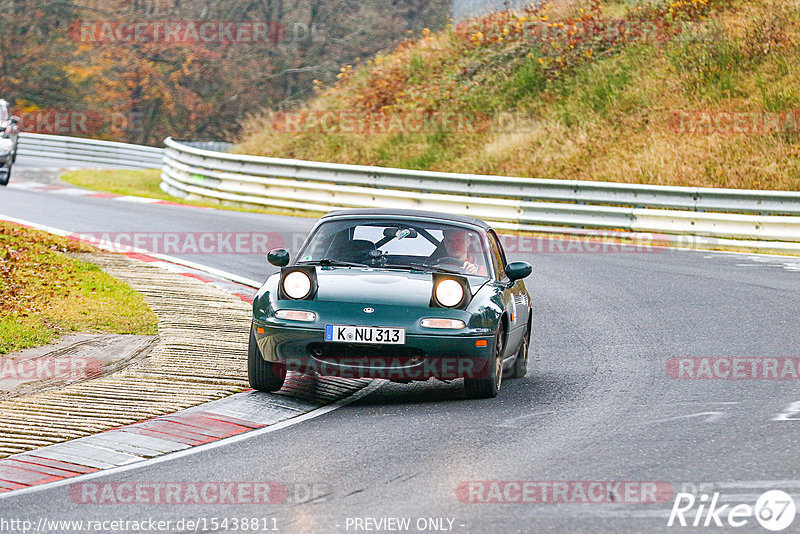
[396,294]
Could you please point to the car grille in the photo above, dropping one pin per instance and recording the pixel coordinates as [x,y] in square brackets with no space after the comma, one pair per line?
[339,351]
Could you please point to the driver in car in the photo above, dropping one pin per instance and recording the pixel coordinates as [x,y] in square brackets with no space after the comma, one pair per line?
[456,243]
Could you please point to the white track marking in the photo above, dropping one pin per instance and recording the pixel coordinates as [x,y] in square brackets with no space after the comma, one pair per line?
[712,417]
[685,403]
[790,414]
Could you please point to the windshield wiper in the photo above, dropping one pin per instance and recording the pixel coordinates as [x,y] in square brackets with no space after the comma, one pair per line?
[422,267]
[328,262]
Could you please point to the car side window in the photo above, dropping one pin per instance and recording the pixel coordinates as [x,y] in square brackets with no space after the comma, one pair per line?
[498,256]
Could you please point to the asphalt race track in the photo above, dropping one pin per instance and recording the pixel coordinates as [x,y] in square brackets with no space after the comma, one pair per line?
[598,403]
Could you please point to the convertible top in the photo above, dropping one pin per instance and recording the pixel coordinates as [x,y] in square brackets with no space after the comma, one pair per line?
[384,212]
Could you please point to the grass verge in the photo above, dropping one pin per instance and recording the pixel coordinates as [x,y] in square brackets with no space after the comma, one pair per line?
[46,293]
[138,183]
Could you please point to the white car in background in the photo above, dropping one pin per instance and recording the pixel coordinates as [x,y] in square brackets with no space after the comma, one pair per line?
[9,133]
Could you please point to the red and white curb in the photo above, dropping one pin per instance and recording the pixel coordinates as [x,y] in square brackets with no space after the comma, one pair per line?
[210,425]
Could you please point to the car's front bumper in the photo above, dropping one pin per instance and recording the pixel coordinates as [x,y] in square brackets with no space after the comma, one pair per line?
[445,355]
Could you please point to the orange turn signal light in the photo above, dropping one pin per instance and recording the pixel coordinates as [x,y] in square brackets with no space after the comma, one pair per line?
[481,343]
[259,330]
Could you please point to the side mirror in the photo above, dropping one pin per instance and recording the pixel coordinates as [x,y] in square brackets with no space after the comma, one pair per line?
[14,119]
[278,257]
[517,270]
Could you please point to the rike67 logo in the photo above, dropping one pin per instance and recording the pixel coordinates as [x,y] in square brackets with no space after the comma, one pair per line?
[774,510]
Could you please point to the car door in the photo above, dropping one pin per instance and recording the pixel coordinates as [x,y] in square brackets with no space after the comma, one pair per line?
[515,297]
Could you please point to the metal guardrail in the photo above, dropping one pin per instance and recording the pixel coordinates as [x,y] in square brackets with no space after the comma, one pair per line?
[506,202]
[215,145]
[91,151]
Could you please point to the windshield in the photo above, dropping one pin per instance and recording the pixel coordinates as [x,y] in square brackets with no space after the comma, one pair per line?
[400,244]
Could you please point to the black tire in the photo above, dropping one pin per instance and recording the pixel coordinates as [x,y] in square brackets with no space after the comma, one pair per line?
[5,175]
[263,376]
[520,368]
[489,386]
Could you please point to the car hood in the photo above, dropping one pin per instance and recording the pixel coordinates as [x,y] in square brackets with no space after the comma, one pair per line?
[336,284]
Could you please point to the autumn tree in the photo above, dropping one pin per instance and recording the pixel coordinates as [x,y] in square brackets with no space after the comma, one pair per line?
[74,55]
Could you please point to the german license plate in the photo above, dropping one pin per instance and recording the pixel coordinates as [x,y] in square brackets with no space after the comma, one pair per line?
[365,334]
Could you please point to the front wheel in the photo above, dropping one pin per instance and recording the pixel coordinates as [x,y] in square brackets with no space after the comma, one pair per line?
[263,376]
[489,386]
